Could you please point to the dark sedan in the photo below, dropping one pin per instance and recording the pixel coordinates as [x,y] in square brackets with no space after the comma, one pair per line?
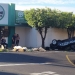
[63,44]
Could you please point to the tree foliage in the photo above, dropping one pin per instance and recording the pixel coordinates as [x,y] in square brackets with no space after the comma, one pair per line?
[44,18]
[67,21]
[41,19]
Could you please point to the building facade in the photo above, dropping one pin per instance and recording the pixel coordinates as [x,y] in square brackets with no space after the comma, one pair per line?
[13,21]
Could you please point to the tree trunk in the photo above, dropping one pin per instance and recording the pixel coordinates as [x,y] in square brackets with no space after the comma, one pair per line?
[43,37]
[70,32]
[43,42]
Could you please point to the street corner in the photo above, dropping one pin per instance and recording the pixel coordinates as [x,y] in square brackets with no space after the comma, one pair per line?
[71,59]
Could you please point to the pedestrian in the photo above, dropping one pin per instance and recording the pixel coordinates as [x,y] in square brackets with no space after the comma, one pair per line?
[17,39]
[13,40]
[3,42]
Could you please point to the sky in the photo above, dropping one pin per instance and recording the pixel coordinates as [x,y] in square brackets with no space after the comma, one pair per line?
[63,5]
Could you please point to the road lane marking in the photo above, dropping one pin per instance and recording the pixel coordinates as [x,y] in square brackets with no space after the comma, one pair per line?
[24,64]
[45,73]
[70,60]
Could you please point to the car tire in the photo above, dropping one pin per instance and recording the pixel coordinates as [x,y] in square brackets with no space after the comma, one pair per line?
[54,41]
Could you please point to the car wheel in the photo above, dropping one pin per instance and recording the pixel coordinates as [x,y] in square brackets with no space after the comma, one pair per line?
[54,41]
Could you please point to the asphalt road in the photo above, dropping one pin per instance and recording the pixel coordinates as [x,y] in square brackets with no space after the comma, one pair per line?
[36,63]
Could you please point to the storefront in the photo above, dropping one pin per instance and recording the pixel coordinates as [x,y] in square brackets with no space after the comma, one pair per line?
[10,21]
[13,21]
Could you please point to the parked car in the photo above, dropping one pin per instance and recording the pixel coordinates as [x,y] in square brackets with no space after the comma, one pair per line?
[63,44]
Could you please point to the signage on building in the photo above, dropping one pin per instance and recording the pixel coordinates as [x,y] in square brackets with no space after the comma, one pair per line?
[2,12]
[20,17]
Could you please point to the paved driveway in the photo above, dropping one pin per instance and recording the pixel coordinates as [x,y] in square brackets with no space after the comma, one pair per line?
[36,63]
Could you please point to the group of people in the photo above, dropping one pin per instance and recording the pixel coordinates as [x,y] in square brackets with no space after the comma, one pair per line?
[15,40]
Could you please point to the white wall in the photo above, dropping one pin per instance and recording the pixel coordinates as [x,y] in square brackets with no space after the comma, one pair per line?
[5,18]
[52,34]
[21,32]
[30,37]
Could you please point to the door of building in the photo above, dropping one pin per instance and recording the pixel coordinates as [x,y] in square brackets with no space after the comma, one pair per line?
[4,31]
[1,31]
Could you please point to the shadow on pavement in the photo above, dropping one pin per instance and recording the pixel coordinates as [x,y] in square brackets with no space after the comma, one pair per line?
[27,58]
[6,73]
[24,58]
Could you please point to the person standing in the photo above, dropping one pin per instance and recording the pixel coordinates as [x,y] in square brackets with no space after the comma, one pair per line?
[17,39]
[13,40]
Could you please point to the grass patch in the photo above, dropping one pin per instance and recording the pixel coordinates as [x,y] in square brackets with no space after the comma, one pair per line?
[4,50]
